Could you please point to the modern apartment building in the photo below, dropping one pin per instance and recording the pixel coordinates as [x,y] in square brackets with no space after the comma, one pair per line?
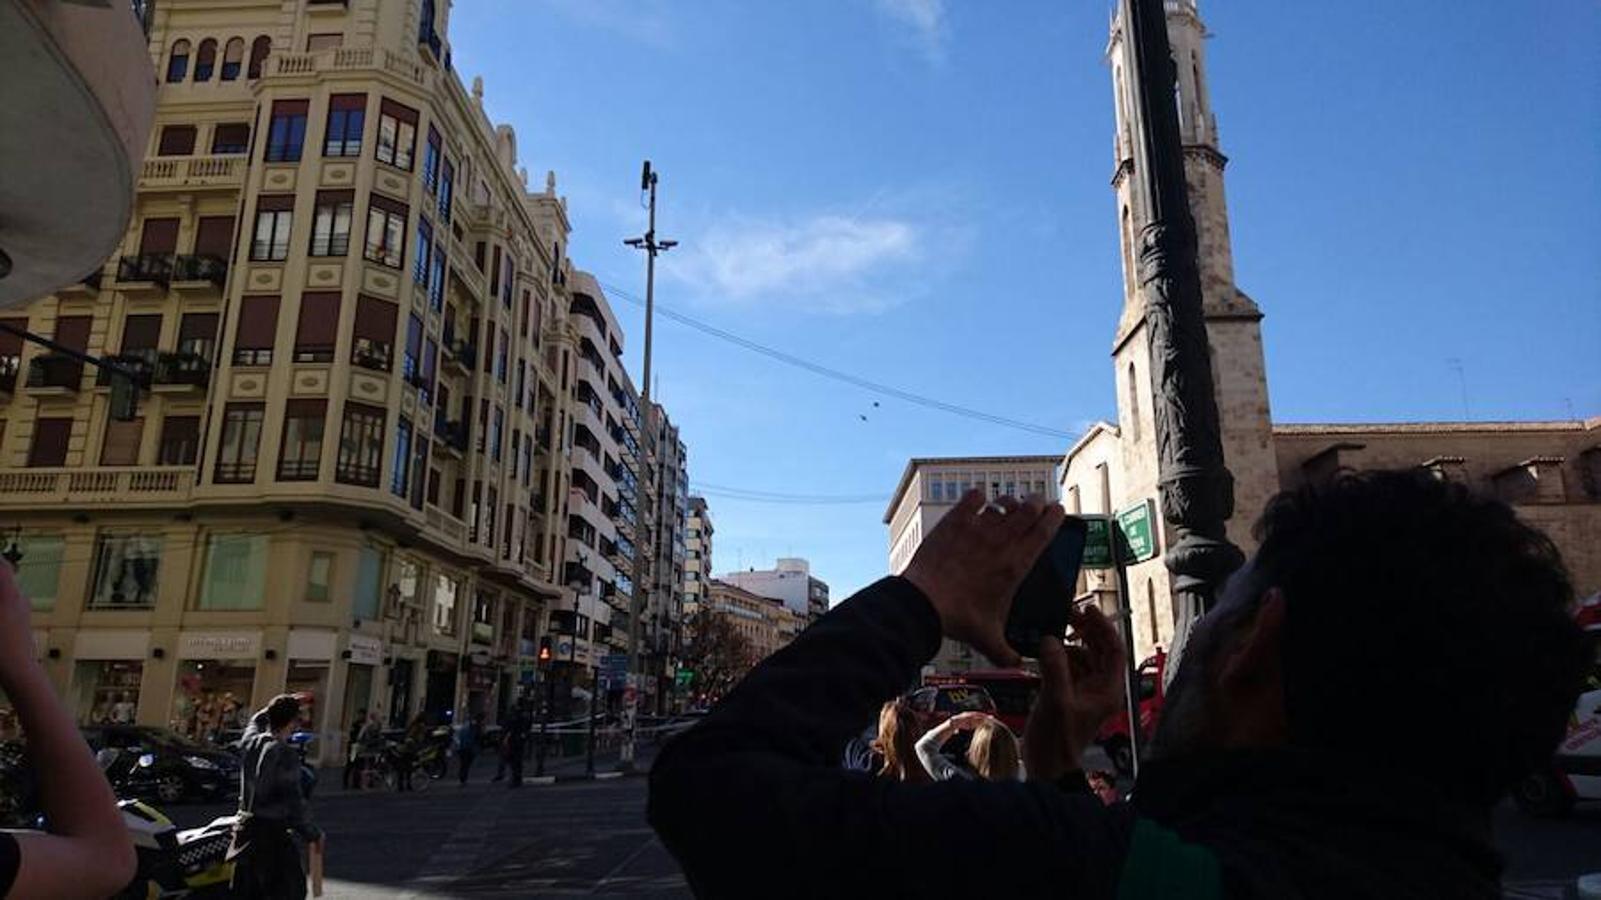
[930,486]
[789,580]
[698,531]
[346,475]
[661,635]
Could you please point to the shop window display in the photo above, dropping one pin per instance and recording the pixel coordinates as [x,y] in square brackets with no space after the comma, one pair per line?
[108,691]
[212,700]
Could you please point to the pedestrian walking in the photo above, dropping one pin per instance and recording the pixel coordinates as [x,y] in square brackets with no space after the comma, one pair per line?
[991,752]
[898,732]
[272,808]
[517,726]
[352,774]
[1262,780]
[468,736]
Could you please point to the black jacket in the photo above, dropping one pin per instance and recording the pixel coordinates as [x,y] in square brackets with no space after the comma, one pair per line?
[753,803]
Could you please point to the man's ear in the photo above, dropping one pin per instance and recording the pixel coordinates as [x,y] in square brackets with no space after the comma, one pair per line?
[1252,675]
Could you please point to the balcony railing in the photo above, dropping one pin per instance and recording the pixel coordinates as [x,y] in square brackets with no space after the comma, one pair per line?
[9,366]
[222,170]
[139,363]
[153,267]
[55,370]
[32,487]
[462,353]
[182,369]
[451,434]
[201,267]
[346,58]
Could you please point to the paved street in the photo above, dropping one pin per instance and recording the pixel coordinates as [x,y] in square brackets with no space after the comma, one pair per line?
[590,837]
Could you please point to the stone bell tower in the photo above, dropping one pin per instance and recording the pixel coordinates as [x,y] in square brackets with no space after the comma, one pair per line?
[1232,318]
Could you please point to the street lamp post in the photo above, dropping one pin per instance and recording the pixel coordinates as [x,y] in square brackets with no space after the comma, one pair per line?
[647,433]
[1197,491]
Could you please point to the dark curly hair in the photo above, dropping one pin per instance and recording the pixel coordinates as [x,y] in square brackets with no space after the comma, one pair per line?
[1427,627]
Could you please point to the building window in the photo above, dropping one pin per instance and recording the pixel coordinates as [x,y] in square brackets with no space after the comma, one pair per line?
[318,330]
[445,591]
[236,572]
[447,185]
[419,265]
[497,427]
[230,138]
[197,335]
[257,332]
[361,445]
[430,161]
[233,55]
[410,362]
[274,216]
[180,441]
[319,576]
[300,453]
[386,231]
[178,61]
[205,60]
[241,442]
[286,134]
[121,447]
[419,468]
[176,140]
[50,436]
[39,573]
[436,278]
[259,48]
[125,570]
[397,134]
[330,225]
[430,354]
[1133,404]
[368,598]
[373,346]
[347,117]
[501,356]
[398,481]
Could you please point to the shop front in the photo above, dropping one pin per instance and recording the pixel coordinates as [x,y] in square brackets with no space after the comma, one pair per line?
[439,694]
[107,676]
[482,675]
[363,655]
[216,680]
[402,673]
[311,660]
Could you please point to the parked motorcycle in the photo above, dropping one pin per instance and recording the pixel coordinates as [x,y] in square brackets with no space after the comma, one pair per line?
[191,863]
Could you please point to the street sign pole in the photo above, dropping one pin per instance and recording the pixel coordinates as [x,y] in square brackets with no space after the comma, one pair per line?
[594,698]
[1131,681]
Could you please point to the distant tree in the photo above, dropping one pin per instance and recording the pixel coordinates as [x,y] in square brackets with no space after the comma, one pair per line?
[716,652]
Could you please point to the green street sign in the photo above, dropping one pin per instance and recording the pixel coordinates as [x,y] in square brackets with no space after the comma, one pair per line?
[684,677]
[1097,543]
[1138,524]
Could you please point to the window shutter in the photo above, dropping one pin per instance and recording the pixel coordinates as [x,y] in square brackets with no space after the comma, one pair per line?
[122,443]
[11,344]
[73,332]
[375,319]
[141,333]
[158,236]
[319,319]
[275,202]
[214,236]
[198,326]
[395,110]
[177,140]
[348,102]
[230,134]
[290,108]
[180,440]
[388,205]
[414,336]
[50,438]
[258,322]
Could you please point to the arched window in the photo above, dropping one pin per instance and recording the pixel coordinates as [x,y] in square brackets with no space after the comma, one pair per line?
[205,60]
[1150,608]
[233,56]
[259,48]
[178,62]
[1131,278]
[1133,404]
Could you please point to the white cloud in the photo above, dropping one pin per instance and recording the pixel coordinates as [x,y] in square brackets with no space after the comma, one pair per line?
[827,263]
[924,21]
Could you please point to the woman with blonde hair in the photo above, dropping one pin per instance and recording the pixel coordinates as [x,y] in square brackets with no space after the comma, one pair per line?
[897,736]
[992,751]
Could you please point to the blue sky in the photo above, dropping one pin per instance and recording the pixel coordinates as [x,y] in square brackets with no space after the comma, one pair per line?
[915,191]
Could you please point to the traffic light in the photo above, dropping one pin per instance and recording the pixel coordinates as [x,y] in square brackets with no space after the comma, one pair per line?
[124,398]
[544,649]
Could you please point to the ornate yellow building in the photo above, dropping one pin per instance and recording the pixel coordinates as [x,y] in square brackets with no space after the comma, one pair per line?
[346,474]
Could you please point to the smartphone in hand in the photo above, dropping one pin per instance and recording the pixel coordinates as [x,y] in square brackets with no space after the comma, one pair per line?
[1045,598]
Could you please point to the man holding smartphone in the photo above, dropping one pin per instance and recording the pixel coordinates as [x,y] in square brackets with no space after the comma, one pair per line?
[1263,780]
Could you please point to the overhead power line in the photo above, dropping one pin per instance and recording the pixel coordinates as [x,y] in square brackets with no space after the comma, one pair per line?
[760,496]
[837,375]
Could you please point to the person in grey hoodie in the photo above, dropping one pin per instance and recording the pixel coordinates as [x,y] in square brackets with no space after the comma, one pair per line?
[272,808]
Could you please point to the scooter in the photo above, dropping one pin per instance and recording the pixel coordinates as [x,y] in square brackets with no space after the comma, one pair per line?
[192,863]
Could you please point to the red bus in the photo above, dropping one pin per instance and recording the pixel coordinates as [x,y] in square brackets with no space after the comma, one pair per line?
[1012,690]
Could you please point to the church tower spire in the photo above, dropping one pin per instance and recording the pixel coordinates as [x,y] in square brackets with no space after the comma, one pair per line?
[1233,321]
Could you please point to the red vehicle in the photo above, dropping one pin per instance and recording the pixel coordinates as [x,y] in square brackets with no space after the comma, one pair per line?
[934,703]
[1011,691]
[1114,735]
